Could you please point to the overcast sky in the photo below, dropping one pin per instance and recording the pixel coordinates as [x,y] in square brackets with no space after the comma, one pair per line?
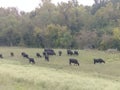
[29,5]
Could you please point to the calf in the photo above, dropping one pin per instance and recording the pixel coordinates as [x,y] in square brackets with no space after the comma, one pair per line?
[60,53]
[31,60]
[1,56]
[11,54]
[99,61]
[38,55]
[73,61]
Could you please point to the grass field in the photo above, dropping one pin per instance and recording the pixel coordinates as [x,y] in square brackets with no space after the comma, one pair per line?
[17,74]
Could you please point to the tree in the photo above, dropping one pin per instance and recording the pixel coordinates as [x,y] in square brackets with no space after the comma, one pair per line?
[12,38]
[98,4]
[116,33]
[58,36]
[39,37]
[45,14]
[87,39]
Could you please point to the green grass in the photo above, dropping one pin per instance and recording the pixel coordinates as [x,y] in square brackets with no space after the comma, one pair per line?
[17,74]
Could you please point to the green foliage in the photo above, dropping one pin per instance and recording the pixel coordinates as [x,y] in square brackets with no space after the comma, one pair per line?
[116,33]
[58,36]
[66,25]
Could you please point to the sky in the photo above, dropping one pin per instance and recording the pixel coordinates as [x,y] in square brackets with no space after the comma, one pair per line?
[29,5]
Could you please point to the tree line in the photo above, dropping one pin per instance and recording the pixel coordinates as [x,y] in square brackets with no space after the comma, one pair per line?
[65,25]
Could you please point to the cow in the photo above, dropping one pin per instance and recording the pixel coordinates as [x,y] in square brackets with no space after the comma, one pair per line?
[1,56]
[38,55]
[31,60]
[60,53]
[76,53]
[69,52]
[99,61]
[75,61]
[50,51]
[24,55]
[11,54]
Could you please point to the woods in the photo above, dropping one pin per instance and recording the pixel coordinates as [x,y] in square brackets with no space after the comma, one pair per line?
[66,25]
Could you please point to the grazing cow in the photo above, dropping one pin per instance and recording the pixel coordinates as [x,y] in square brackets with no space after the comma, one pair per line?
[38,55]
[31,60]
[76,53]
[1,56]
[60,53]
[99,61]
[69,52]
[71,60]
[49,51]
[24,55]
[11,54]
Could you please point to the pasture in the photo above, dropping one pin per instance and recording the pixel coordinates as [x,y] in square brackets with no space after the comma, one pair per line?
[16,73]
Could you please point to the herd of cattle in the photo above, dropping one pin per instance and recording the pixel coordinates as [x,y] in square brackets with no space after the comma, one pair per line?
[48,52]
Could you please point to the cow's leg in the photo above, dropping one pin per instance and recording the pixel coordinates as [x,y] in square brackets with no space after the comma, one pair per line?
[33,62]
[94,62]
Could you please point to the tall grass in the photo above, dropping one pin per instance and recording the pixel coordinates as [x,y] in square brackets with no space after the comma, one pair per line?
[17,74]
[17,77]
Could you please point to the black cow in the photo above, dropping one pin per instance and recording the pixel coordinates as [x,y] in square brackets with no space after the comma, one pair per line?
[60,53]
[24,55]
[50,51]
[11,54]
[76,53]
[1,56]
[71,60]
[38,55]
[99,61]
[31,60]
[69,52]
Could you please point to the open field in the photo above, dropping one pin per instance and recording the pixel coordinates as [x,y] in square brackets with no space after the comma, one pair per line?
[17,74]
